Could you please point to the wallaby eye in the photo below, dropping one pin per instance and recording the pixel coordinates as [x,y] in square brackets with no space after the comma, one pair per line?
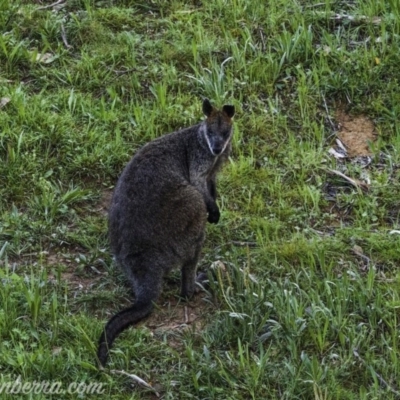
[226,134]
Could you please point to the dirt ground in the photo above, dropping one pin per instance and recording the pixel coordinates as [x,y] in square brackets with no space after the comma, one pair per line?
[356,133]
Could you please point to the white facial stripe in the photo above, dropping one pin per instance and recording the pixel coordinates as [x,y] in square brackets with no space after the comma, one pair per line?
[204,132]
[227,141]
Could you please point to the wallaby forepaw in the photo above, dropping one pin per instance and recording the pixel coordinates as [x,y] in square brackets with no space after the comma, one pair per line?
[213,216]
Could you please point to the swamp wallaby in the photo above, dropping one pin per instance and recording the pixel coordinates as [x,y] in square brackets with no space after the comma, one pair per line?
[159,210]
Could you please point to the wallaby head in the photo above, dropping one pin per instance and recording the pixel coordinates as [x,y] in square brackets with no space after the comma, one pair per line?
[217,127]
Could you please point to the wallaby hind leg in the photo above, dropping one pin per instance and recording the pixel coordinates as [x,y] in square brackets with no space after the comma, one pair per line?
[147,286]
[188,280]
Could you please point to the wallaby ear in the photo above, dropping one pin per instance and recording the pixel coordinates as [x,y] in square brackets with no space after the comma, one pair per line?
[229,110]
[207,107]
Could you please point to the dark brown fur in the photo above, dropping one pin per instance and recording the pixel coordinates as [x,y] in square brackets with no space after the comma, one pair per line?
[159,210]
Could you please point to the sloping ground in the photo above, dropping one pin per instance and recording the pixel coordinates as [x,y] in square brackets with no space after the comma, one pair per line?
[320,320]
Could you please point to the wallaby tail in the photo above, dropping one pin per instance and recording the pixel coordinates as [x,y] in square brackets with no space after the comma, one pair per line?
[118,323]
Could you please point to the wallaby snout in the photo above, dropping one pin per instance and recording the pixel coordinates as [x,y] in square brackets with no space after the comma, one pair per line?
[217,146]
[217,150]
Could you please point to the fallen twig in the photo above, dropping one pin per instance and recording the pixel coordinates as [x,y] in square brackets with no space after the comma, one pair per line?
[341,146]
[357,19]
[138,380]
[124,71]
[315,5]
[327,114]
[186,315]
[351,19]
[64,37]
[243,244]
[263,47]
[380,379]
[50,5]
[357,250]
[336,154]
[355,183]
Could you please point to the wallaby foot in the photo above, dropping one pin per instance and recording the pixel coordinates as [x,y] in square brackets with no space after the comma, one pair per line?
[202,282]
[213,215]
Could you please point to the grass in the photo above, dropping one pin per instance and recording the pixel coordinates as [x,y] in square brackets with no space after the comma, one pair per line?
[309,306]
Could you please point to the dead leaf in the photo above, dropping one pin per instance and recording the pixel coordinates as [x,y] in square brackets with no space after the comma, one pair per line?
[4,101]
[341,146]
[358,250]
[45,58]
[56,351]
[326,49]
[336,154]
[218,265]
[376,20]
[364,175]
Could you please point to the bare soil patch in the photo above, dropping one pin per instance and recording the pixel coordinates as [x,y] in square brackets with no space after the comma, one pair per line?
[173,316]
[77,282]
[105,201]
[356,133]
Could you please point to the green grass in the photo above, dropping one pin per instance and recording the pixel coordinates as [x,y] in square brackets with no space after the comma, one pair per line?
[298,314]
